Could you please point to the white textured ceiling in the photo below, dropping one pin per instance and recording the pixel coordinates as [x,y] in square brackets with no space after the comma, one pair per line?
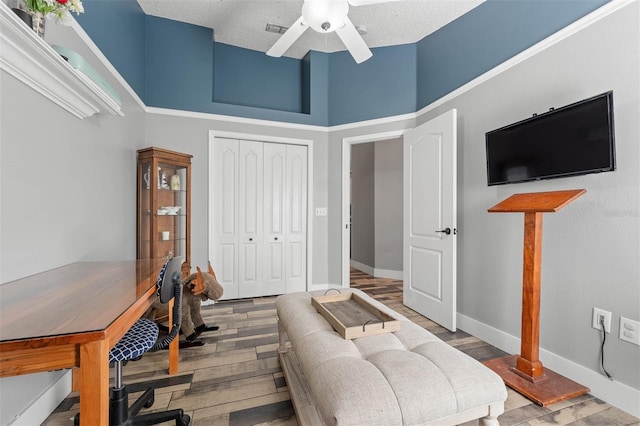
[242,22]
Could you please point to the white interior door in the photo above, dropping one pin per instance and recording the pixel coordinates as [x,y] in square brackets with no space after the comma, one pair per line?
[225,221]
[274,219]
[250,219]
[429,247]
[296,218]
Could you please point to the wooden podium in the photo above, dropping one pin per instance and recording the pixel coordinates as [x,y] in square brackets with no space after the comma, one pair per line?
[525,372]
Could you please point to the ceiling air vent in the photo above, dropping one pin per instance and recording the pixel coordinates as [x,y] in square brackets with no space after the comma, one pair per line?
[273,28]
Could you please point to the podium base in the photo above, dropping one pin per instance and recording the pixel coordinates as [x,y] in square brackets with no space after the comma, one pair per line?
[554,388]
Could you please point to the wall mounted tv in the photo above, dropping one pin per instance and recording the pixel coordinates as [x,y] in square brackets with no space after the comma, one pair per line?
[573,140]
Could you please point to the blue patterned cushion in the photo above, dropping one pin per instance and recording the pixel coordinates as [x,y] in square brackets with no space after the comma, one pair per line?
[138,340]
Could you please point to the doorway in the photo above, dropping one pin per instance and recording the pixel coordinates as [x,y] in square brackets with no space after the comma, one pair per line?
[429,216]
[376,208]
[347,145]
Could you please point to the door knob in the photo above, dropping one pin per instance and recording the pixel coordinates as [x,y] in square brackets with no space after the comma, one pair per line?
[445,231]
[250,239]
[275,239]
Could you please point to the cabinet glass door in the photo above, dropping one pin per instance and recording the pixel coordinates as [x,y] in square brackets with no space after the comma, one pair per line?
[171,210]
[145,211]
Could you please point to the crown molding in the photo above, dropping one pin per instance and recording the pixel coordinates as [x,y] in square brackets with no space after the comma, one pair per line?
[103,59]
[28,58]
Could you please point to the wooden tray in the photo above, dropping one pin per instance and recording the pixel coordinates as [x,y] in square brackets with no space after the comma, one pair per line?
[352,316]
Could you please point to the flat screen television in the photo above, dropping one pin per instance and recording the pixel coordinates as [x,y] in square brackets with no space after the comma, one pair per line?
[573,140]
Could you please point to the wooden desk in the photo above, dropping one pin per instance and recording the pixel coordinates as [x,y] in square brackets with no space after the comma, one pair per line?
[71,317]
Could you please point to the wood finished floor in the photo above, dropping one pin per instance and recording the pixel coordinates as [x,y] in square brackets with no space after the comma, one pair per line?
[235,378]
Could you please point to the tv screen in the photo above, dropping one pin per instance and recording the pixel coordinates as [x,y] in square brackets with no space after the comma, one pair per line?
[573,140]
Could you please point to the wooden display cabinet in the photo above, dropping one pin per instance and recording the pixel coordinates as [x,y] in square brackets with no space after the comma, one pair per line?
[164,204]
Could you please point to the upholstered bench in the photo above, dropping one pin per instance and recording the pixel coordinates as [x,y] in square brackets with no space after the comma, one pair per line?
[408,377]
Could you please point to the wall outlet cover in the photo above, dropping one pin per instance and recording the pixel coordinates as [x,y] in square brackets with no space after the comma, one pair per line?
[595,321]
[630,330]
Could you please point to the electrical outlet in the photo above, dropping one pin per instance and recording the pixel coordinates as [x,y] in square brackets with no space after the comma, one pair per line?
[630,330]
[599,314]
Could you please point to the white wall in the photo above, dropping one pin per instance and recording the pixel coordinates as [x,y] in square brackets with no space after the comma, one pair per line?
[363,212]
[67,195]
[388,207]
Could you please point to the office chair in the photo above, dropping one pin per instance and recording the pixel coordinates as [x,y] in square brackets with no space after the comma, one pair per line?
[141,338]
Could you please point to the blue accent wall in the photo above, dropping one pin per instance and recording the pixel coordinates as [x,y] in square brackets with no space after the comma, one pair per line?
[251,78]
[384,85]
[485,37]
[319,87]
[306,84]
[178,66]
[117,27]
[179,60]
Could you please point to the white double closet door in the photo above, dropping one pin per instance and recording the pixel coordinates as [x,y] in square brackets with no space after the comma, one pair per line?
[260,217]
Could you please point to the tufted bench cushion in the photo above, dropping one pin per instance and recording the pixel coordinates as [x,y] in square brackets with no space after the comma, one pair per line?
[408,377]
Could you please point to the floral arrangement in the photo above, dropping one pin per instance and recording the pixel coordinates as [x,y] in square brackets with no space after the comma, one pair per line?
[58,8]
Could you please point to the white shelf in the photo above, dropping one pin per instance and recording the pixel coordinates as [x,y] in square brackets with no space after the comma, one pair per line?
[31,60]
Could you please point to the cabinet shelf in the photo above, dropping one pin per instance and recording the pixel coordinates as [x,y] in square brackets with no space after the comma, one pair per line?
[28,58]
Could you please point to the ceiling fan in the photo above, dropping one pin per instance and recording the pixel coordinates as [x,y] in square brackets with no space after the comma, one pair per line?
[326,16]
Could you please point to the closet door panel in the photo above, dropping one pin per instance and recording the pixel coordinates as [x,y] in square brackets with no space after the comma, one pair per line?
[274,199]
[225,254]
[296,218]
[250,219]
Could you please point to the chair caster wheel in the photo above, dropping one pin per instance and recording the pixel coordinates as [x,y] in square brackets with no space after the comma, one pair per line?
[76,420]
[184,421]
[150,402]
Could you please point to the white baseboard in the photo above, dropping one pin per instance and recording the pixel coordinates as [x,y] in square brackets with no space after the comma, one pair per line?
[615,393]
[376,272]
[387,273]
[361,267]
[42,408]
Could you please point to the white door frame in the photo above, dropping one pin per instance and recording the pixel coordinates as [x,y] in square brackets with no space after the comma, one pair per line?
[213,134]
[346,191]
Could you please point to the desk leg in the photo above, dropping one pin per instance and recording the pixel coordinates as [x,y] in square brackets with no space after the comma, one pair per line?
[94,383]
[75,379]
[173,346]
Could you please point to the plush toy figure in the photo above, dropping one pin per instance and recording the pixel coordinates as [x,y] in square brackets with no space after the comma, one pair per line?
[196,288]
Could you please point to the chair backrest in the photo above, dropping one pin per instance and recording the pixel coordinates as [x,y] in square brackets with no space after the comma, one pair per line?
[169,277]
[170,286]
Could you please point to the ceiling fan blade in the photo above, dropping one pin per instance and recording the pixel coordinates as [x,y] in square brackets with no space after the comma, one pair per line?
[354,42]
[367,2]
[288,38]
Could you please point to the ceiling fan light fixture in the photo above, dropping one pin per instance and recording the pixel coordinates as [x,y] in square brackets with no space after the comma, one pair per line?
[325,16]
